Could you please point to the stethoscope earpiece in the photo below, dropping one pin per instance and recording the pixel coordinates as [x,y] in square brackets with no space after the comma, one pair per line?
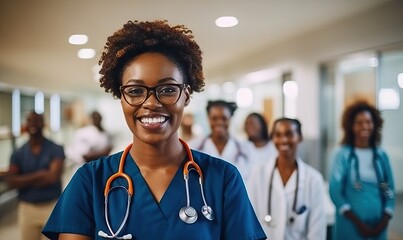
[188,214]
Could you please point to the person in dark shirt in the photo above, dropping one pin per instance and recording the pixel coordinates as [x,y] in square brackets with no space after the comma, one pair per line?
[35,170]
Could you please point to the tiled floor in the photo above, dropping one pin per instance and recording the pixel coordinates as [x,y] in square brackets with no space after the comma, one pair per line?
[9,228]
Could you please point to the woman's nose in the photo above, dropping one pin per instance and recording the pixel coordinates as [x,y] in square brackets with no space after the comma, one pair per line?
[152,100]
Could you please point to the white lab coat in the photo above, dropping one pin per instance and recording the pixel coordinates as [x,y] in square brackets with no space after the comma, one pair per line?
[262,154]
[311,224]
[85,140]
[237,154]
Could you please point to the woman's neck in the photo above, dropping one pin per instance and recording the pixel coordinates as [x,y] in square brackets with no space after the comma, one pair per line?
[169,153]
[286,162]
[361,143]
[260,142]
[286,167]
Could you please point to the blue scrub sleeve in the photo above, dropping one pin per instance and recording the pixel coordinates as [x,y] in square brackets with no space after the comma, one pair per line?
[239,216]
[73,212]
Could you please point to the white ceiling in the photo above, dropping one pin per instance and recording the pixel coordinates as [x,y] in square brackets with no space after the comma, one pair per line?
[34,48]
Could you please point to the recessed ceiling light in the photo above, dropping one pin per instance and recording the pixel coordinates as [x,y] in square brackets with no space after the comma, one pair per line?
[78,39]
[226,21]
[86,53]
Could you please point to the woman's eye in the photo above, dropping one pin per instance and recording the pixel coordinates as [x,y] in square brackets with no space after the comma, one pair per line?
[135,91]
[168,90]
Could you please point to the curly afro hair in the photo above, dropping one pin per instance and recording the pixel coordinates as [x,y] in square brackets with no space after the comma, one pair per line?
[176,43]
[348,119]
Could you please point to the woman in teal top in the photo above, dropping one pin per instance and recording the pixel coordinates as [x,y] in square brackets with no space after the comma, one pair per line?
[361,181]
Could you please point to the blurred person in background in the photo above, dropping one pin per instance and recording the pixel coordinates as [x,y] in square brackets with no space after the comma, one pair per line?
[287,194]
[88,143]
[257,132]
[361,183]
[219,142]
[189,129]
[35,170]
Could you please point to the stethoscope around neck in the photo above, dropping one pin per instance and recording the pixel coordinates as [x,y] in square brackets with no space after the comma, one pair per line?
[269,218]
[380,175]
[187,213]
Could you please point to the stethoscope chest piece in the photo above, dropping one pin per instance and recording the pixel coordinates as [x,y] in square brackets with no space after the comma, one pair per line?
[188,214]
[269,221]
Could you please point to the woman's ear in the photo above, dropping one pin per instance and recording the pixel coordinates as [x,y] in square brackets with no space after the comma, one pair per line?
[186,91]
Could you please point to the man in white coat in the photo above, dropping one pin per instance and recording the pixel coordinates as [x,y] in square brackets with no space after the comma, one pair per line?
[89,143]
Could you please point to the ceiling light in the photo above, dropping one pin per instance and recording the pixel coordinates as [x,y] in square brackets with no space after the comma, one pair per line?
[226,21]
[78,39]
[86,53]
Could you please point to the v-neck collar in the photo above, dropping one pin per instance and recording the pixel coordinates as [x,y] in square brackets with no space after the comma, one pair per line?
[171,201]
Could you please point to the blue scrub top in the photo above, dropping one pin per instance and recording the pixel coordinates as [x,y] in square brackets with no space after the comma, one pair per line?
[80,209]
[28,162]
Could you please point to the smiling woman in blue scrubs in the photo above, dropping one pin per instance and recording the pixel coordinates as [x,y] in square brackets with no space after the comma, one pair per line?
[153,69]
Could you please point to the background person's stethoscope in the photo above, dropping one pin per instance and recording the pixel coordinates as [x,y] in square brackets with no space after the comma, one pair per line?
[269,218]
[379,171]
[187,214]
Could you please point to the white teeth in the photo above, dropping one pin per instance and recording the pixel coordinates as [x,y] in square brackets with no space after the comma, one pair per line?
[154,120]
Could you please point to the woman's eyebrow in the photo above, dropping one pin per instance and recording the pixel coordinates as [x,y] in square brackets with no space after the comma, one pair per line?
[161,81]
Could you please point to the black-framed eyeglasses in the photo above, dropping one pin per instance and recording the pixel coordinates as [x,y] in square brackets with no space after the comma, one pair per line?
[167,94]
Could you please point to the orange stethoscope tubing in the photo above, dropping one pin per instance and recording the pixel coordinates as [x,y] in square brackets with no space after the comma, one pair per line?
[187,214]
[130,192]
[120,174]
[130,188]
[190,162]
